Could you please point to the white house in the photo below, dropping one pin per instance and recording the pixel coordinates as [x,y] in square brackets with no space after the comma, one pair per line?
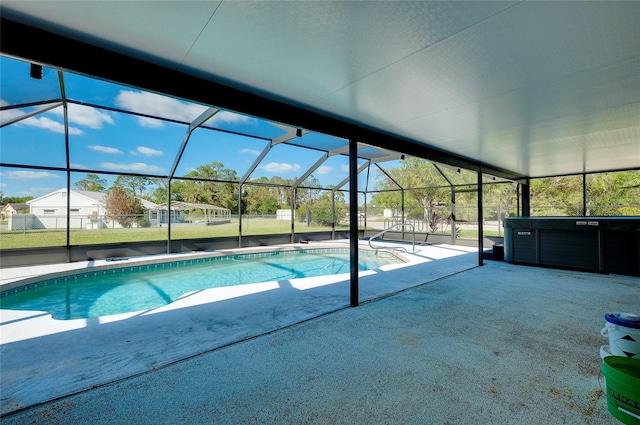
[86,211]
[50,211]
[83,203]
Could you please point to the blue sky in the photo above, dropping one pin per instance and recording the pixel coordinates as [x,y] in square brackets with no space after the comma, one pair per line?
[117,142]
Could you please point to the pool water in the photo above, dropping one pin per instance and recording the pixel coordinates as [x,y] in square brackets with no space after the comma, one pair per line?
[140,288]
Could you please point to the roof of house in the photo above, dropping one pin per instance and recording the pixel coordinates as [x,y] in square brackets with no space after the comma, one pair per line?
[188,206]
[15,206]
[94,196]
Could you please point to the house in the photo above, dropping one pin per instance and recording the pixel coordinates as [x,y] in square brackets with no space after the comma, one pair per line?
[82,203]
[13,208]
[86,211]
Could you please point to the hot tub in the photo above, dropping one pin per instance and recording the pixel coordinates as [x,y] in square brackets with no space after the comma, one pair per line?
[601,244]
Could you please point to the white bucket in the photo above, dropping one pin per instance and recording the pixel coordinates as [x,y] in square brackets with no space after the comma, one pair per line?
[605,351]
[623,331]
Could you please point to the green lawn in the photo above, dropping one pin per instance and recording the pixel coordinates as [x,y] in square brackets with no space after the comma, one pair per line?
[47,237]
[473,233]
[250,227]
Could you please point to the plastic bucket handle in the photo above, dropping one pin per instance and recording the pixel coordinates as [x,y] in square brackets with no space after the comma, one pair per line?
[623,410]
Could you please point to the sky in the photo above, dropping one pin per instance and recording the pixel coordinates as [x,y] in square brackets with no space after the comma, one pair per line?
[102,139]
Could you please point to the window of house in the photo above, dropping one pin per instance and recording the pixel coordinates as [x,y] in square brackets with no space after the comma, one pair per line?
[48,211]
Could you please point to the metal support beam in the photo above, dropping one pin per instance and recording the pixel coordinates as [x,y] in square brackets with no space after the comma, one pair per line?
[290,134]
[24,116]
[65,111]
[388,176]
[584,194]
[358,171]
[353,221]
[526,198]
[293,214]
[453,215]
[480,218]
[201,119]
[185,139]
[313,168]
[240,215]
[333,215]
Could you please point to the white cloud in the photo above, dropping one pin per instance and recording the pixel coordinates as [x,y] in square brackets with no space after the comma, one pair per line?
[47,123]
[39,122]
[325,169]
[150,122]
[157,105]
[80,166]
[250,151]
[137,167]
[28,175]
[148,151]
[280,167]
[168,107]
[9,114]
[229,117]
[105,149]
[85,116]
[344,168]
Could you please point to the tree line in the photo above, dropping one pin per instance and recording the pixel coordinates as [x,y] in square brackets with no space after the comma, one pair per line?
[213,184]
[607,194]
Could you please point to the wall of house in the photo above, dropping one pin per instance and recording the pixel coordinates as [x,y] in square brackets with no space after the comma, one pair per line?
[57,202]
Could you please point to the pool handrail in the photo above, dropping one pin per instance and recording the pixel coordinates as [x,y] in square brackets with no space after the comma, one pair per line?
[413,232]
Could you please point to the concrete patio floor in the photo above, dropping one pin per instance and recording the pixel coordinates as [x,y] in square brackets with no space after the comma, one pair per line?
[498,344]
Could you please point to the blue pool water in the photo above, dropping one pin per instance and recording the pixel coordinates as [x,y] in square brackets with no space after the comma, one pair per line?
[145,287]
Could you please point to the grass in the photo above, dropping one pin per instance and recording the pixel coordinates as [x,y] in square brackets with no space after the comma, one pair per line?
[473,233]
[50,237]
[250,227]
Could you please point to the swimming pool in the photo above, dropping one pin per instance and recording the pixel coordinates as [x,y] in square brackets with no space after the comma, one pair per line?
[143,287]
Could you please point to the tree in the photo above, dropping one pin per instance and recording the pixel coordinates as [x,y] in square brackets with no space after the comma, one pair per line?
[556,196]
[281,190]
[308,195]
[610,194]
[501,195]
[424,186]
[14,199]
[207,189]
[92,182]
[259,199]
[122,206]
[321,211]
[160,192]
[134,184]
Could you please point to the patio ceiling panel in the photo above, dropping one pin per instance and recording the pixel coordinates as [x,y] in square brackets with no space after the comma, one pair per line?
[521,88]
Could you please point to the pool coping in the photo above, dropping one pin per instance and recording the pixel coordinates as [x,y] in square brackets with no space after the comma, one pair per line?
[17,283]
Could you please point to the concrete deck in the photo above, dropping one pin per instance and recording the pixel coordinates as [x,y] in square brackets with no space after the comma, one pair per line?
[486,345]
